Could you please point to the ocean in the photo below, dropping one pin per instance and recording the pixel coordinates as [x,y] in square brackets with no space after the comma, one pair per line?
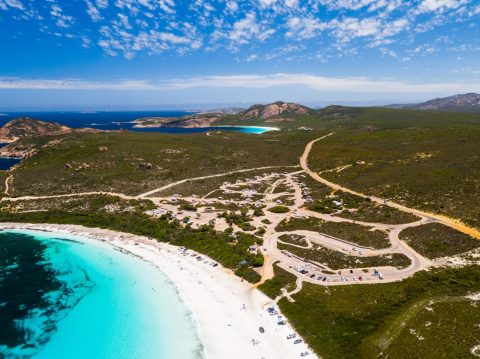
[120,120]
[64,296]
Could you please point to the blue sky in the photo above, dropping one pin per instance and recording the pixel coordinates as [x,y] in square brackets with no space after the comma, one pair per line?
[162,53]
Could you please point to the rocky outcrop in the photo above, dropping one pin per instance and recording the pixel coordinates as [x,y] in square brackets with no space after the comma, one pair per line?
[28,127]
[224,111]
[274,109]
[17,131]
[190,121]
[202,121]
[18,151]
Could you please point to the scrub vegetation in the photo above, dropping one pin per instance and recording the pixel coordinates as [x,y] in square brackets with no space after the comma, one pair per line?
[282,280]
[356,321]
[132,163]
[337,260]
[350,232]
[434,240]
[422,159]
[293,239]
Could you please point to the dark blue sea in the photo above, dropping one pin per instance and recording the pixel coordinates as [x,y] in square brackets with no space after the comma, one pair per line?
[120,120]
[114,120]
[105,120]
[6,163]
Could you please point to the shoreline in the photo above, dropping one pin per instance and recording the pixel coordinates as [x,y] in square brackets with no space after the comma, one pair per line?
[225,311]
[265,128]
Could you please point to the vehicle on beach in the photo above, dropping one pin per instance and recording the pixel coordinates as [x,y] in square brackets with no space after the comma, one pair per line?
[262,330]
[291,336]
[297,341]
[304,354]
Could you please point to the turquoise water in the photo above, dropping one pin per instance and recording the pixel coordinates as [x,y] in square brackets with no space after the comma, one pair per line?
[244,129]
[96,302]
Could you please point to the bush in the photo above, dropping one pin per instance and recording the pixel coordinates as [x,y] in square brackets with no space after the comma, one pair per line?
[248,274]
[188,207]
[279,209]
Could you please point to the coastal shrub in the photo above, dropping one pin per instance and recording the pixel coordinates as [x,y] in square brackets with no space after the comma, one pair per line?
[173,157]
[282,279]
[350,232]
[241,219]
[279,209]
[248,274]
[338,260]
[260,232]
[258,212]
[188,207]
[434,240]
[323,206]
[352,321]
[410,158]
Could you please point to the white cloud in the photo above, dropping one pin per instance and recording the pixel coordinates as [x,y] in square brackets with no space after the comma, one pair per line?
[10,83]
[304,28]
[102,4]
[93,11]
[474,11]
[313,82]
[62,20]
[14,4]
[436,5]
[247,29]
[291,3]
[342,27]
[319,83]
[231,6]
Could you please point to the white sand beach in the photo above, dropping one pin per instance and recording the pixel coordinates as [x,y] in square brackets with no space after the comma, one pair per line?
[228,312]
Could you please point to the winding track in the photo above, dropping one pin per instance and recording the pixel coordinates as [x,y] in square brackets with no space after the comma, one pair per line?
[140,196]
[450,222]
[147,194]
[7,182]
